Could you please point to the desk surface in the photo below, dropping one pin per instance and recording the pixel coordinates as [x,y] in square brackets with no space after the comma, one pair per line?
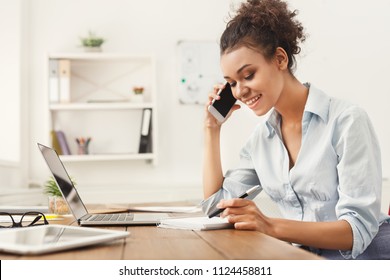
[152,243]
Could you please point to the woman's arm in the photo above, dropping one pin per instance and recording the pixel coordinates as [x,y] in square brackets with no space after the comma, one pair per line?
[212,167]
[336,235]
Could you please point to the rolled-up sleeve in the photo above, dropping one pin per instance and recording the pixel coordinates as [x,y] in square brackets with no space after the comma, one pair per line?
[236,182]
[360,178]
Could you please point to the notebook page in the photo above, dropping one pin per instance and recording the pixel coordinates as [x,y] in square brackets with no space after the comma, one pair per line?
[196,223]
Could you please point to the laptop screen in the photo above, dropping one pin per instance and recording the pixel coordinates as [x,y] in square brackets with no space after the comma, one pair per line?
[64,182]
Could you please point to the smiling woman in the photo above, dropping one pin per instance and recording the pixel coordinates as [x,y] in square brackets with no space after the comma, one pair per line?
[304,156]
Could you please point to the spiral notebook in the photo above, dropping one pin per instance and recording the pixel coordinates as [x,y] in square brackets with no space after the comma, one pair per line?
[195,223]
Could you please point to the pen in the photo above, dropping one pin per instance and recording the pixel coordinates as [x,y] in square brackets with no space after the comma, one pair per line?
[245,194]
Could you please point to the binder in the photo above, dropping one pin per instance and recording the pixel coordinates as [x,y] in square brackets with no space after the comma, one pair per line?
[54,87]
[63,143]
[64,74]
[54,142]
[145,145]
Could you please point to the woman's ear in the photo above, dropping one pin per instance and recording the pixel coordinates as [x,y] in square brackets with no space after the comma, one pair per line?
[281,58]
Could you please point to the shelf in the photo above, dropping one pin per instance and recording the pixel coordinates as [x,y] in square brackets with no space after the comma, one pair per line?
[108,157]
[99,106]
[93,100]
[98,56]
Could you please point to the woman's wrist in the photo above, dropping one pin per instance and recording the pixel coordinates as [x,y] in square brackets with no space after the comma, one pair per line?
[275,228]
[212,129]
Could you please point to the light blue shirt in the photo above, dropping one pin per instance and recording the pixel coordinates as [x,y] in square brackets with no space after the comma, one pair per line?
[337,175]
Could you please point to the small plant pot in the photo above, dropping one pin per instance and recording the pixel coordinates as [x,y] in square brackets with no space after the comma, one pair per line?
[58,205]
[93,49]
[137,98]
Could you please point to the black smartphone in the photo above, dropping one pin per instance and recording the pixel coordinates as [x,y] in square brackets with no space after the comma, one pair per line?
[220,108]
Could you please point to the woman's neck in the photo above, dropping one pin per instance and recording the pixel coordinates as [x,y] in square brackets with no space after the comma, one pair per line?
[292,101]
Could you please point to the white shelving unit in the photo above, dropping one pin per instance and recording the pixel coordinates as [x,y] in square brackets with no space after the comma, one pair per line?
[100,105]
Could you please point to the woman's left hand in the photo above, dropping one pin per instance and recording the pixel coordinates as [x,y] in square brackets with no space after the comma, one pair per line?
[244,214]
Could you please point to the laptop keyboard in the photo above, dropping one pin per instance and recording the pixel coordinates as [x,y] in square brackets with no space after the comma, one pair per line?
[122,217]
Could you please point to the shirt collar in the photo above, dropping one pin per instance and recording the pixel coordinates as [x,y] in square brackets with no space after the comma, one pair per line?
[317,103]
[273,122]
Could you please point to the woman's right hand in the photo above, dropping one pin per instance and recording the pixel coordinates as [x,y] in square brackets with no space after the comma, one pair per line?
[210,120]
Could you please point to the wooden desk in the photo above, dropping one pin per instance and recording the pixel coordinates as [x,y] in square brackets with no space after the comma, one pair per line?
[152,243]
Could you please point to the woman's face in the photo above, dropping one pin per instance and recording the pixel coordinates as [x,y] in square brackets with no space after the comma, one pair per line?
[255,81]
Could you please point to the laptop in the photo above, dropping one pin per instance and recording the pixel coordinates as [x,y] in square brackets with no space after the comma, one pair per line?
[76,205]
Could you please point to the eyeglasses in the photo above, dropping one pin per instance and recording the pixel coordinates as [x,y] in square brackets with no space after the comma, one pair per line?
[28,219]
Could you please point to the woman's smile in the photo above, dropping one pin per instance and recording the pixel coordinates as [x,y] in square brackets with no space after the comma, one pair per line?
[252,102]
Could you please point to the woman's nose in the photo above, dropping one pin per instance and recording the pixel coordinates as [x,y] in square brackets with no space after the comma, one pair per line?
[241,91]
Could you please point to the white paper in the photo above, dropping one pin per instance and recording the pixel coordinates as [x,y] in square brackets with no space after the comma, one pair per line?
[16,209]
[196,223]
[5,219]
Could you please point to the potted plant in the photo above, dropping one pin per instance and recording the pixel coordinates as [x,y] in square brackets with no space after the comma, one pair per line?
[57,204]
[92,42]
[138,94]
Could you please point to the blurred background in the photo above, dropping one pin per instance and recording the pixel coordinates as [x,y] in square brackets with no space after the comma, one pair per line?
[345,54]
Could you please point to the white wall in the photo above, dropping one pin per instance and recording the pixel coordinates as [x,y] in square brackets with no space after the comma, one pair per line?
[10,80]
[138,27]
[13,164]
[345,55]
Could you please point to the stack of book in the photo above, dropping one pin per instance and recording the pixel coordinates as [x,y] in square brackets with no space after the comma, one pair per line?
[59,143]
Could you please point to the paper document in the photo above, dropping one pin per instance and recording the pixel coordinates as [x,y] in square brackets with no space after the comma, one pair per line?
[6,219]
[196,223]
[23,209]
[166,209]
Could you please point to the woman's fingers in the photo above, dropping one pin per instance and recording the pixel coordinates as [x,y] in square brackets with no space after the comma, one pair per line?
[214,94]
[233,203]
[237,206]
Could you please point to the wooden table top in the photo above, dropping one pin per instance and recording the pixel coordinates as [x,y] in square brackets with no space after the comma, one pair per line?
[153,243]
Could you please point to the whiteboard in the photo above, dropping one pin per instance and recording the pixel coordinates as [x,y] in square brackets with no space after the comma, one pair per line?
[198,70]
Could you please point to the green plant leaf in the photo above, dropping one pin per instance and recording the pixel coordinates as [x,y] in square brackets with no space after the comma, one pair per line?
[92,40]
[51,188]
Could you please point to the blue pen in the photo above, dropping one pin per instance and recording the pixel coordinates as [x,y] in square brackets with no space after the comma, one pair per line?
[245,194]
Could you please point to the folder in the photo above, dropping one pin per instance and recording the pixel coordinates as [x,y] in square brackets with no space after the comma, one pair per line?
[54,87]
[54,142]
[64,74]
[145,145]
[63,143]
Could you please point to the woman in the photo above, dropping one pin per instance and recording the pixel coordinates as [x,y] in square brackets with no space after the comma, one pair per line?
[316,156]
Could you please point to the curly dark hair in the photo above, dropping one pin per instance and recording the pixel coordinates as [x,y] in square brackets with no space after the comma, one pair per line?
[264,25]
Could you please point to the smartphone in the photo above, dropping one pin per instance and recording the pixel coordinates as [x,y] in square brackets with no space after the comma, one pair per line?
[220,108]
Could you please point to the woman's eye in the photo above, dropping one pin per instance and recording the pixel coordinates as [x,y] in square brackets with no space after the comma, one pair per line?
[249,77]
[233,84]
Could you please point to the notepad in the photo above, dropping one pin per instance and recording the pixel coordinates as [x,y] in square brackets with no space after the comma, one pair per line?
[23,209]
[196,223]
